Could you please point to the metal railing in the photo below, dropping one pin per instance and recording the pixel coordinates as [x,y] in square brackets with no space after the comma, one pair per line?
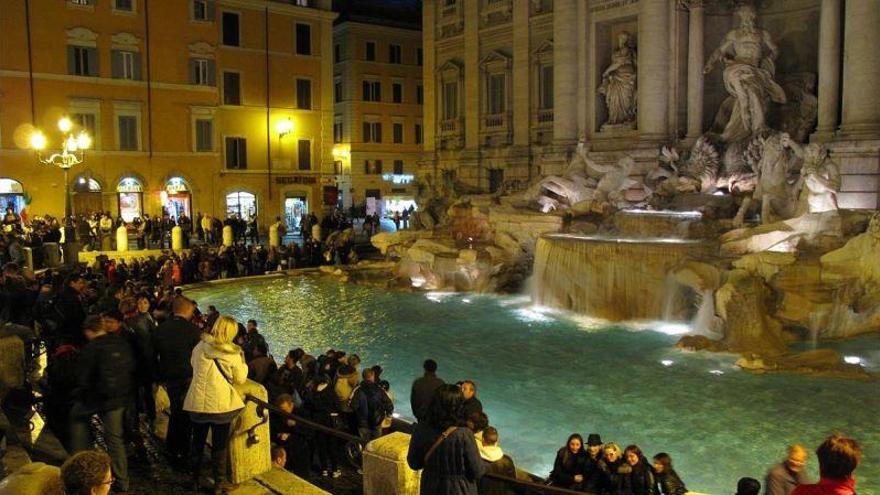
[348,437]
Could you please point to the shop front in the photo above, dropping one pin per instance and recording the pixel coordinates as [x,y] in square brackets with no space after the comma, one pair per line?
[177,198]
[11,195]
[130,193]
[296,205]
[241,204]
[87,198]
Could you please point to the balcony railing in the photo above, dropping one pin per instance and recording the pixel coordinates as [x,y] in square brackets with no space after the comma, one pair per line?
[495,11]
[544,116]
[449,126]
[494,121]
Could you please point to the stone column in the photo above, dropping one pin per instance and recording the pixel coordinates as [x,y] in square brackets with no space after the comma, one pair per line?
[653,76]
[696,56]
[564,70]
[429,80]
[861,69]
[520,75]
[471,88]
[829,67]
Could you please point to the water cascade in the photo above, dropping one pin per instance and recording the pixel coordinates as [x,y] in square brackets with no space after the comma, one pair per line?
[610,277]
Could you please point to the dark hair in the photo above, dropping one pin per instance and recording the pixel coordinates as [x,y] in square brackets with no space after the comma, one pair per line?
[83,471]
[478,420]
[295,354]
[252,321]
[664,459]
[94,323]
[635,449]
[277,451]
[446,408]
[490,436]
[838,457]
[748,486]
[430,366]
[281,399]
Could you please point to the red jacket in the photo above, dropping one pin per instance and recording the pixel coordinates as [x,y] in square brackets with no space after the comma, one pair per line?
[828,487]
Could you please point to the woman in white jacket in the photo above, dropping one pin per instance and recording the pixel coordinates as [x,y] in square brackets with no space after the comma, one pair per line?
[212,401]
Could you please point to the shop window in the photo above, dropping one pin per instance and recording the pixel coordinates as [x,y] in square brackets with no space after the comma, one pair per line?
[131,198]
[241,204]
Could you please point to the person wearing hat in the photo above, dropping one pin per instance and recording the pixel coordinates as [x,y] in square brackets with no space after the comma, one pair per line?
[593,476]
[784,477]
[748,486]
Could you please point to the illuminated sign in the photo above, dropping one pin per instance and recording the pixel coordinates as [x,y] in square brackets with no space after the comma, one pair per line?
[129,185]
[176,185]
[296,179]
[398,178]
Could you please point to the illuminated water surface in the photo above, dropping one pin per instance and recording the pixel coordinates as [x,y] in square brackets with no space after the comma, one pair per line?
[542,376]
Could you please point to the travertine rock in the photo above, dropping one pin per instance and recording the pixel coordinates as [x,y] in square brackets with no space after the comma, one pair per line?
[742,302]
[385,468]
[35,478]
[248,458]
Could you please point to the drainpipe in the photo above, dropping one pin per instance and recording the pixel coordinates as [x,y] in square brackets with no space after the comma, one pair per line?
[149,79]
[268,111]
[27,22]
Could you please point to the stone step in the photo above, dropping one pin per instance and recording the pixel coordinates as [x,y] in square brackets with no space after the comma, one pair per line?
[277,481]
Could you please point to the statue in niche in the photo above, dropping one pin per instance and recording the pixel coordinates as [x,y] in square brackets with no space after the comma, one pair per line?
[748,54]
[619,84]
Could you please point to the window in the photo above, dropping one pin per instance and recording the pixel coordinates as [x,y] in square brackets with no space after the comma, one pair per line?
[397,131]
[204,135]
[372,91]
[87,122]
[304,154]
[397,92]
[231,88]
[236,153]
[372,132]
[128,132]
[496,94]
[373,167]
[231,29]
[125,5]
[393,54]
[303,39]
[496,179]
[450,100]
[201,71]
[203,10]
[337,91]
[418,133]
[337,132]
[398,167]
[546,87]
[82,61]
[420,94]
[370,51]
[337,53]
[125,65]
[420,54]
[304,94]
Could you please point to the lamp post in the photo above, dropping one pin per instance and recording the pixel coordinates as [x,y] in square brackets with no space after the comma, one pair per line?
[72,153]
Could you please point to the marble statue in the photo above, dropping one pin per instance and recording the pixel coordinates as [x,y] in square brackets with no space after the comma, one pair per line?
[773,187]
[748,54]
[820,178]
[619,84]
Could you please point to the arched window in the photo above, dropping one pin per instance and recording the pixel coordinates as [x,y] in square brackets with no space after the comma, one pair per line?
[176,198]
[11,195]
[131,198]
[241,204]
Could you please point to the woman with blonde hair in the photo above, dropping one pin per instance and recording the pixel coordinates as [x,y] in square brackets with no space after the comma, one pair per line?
[212,401]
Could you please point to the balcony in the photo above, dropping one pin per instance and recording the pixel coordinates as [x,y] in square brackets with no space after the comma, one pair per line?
[450,9]
[493,122]
[544,116]
[496,129]
[450,126]
[496,12]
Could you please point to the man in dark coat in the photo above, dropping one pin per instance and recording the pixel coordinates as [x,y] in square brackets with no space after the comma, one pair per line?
[173,342]
[370,404]
[472,404]
[423,389]
[70,308]
[105,377]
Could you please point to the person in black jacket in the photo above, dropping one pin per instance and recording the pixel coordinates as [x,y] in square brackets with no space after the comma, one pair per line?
[173,342]
[370,404]
[423,389]
[105,377]
[593,476]
[289,378]
[570,464]
[70,306]
[612,464]
[294,438]
[668,481]
[639,478]
[471,403]
[323,406]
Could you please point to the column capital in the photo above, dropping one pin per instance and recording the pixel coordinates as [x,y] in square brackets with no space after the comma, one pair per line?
[692,4]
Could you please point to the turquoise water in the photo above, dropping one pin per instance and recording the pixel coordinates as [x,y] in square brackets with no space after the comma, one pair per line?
[542,376]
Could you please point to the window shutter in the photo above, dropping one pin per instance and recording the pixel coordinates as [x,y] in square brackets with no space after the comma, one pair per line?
[136,60]
[379,166]
[212,72]
[210,10]
[193,71]
[366,166]
[115,64]
[378,132]
[242,153]
[71,60]
[93,69]
[366,87]
[366,132]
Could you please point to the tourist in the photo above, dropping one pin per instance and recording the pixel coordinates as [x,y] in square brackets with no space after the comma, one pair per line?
[71,310]
[471,403]
[105,377]
[289,378]
[324,406]
[570,464]
[423,389]
[748,486]
[279,457]
[668,481]
[346,382]
[783,478]
[251,340]
[262,366]
[292,437]
[839,457]
[613,469]
[445,451]
[371,405]
[593,476]
[496,462]
[87,473]
[173,342]
[211,400]
[639,478]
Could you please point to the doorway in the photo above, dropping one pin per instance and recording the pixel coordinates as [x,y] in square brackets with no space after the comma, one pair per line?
[87,197]
[294,209]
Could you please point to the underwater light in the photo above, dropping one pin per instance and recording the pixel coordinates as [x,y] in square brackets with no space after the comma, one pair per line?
[466,301]
[716,372]
[853,360]
[667,362]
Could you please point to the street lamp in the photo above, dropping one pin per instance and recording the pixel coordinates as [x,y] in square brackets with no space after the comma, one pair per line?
[72,152]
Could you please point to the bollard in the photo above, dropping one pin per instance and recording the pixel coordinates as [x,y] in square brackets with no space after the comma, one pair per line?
[122,239]
[385,468]
[227,236]
[274,239]
[176,238]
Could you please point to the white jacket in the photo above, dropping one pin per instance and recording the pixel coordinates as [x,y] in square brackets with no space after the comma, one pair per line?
[209,391]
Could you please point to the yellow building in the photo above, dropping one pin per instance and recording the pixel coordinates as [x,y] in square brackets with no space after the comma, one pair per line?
[378,92]
[213,106]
